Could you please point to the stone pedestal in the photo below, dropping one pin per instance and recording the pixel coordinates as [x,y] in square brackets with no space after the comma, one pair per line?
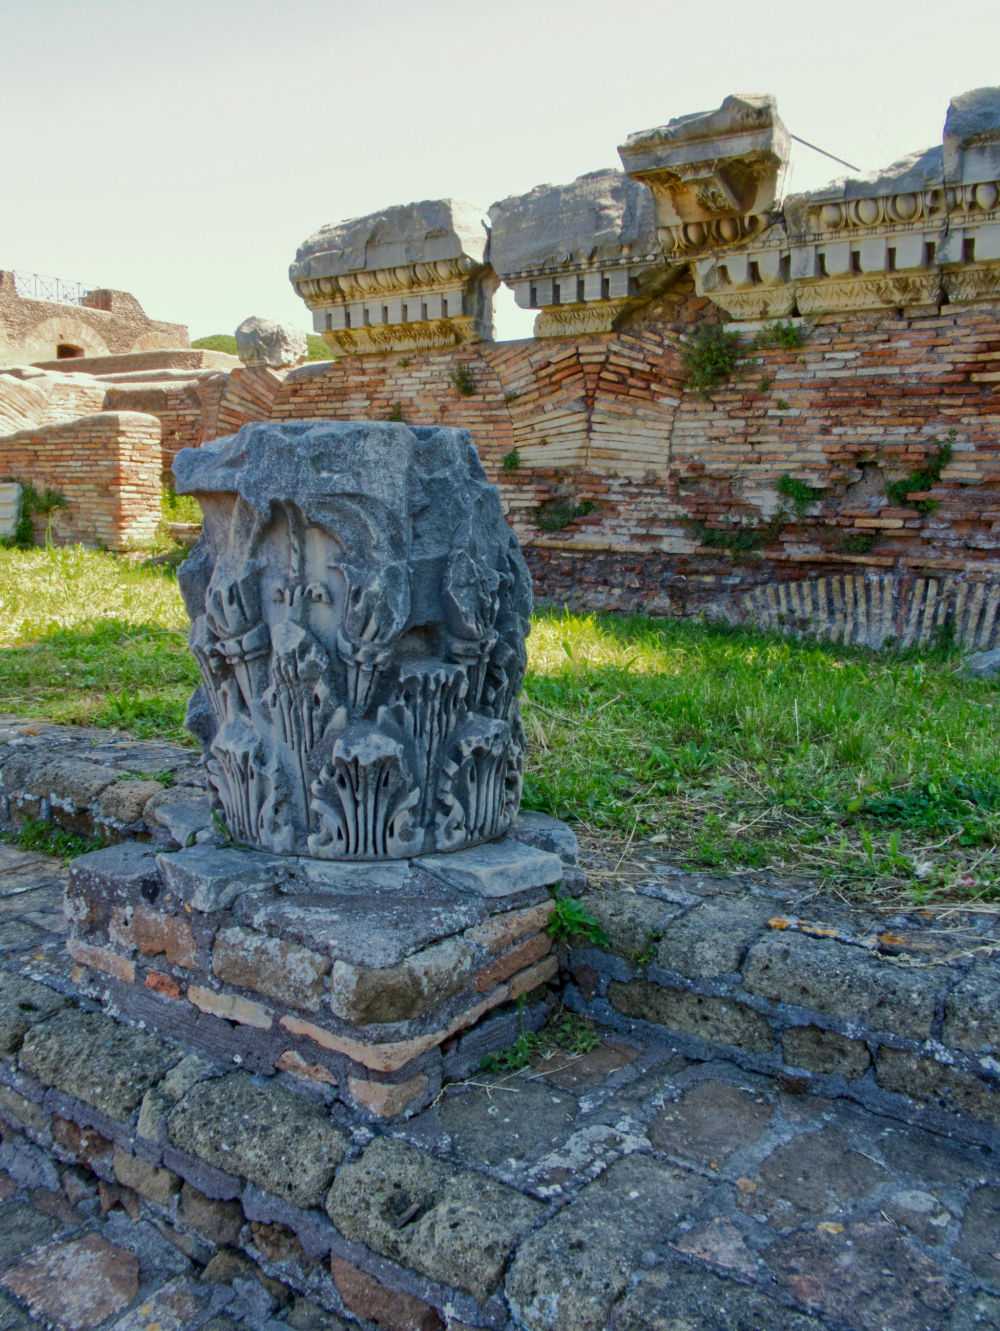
[379,980]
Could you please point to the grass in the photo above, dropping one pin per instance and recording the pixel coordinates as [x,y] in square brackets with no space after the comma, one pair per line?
[729,750]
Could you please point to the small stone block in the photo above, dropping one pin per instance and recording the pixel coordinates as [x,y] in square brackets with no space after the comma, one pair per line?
[499,869]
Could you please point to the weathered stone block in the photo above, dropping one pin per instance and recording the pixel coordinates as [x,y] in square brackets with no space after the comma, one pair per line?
[972,1013]
[453,1226]
[947,1088]
[634,924]
[125,801]
[230,1007]
[103,959]
[21,1112]
[23,1003]
[717,1020]
[398,993]
[209,879]
[713,938]
[846,982]
[282,970]
[103,1063]
[826,1052]
[264,1133]
[500,869]
[218,1221]
[157,1185]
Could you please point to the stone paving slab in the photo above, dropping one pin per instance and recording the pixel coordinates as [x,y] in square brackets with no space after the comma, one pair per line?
[634,1187]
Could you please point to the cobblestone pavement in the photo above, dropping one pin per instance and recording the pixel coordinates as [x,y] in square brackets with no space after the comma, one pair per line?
[672,1194]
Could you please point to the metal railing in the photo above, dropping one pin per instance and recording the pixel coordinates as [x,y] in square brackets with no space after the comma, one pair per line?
[36,286]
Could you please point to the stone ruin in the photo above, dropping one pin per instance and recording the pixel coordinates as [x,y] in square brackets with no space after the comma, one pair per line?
[359,609]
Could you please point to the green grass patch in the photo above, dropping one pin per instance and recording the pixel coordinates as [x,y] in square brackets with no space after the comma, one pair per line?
[876,773]
[48,839]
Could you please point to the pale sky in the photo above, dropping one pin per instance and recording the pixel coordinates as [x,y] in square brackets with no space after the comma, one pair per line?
[182,151]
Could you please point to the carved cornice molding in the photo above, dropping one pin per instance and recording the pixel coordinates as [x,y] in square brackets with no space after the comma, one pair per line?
[322,292]
[597,316]
[430,335]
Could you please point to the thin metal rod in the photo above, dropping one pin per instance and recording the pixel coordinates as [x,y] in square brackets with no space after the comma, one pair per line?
[832,157]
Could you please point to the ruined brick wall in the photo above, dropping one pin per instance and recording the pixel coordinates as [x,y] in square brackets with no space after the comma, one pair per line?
[108,323]
[106,466]
[676,496]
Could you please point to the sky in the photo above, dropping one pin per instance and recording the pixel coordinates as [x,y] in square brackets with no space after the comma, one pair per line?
[182,151]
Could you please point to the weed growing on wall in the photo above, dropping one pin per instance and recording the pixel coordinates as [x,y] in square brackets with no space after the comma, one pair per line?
[710,357]
[800,494]
[924,478]
[462,380]
[557,514]
[511,460]
[782,333]
[571,920]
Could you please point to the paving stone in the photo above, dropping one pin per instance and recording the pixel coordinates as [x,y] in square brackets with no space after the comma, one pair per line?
[972,1012]
[367,1297]
[176,1306]
[567,1275]
[22,1227]
[826,1052]
[845,981]
[12,1318]
[70,778]
[15,934]
[272,966]
[931,1159]
[451,1225]
[76,1284]
[816,1176]
[586,1071]
[519,1121]
[947,1088]
[721,1244]
[710,1121]
[867,1274]
[979,1242]
[717,1020]
[107,1065]
[262,1132]
[23,1003]
[678,1298]
[919,1212]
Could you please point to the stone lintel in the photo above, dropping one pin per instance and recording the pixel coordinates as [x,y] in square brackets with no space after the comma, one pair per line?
[411,277]
[582,253]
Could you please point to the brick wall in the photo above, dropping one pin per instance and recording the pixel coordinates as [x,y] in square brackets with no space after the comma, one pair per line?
[106,465]
[607,424]
[111,322]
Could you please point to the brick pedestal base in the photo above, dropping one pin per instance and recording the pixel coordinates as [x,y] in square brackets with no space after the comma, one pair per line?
[380,980]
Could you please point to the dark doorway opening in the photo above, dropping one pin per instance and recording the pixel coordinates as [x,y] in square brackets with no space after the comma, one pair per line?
[66,350]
